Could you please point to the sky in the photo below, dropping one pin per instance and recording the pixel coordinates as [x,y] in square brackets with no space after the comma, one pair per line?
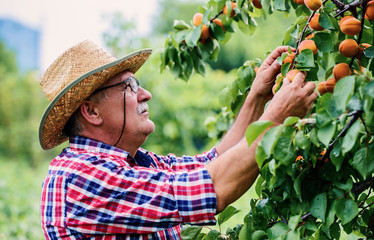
[64,23]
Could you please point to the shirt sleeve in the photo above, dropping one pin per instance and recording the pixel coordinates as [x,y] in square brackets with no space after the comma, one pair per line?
[103,197]
[185,162]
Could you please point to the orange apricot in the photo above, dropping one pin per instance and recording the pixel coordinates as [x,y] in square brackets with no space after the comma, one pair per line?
[308,44]
[300,2]
[350,25]
[299,158]
[330,84]
[369,14]
[197,19]
[348,48]
[204,33]
[232,13]
[257,4]
[291,74]
[219,22]
[313,5]
[321,88]
[361,49]
[314,23]
[310,36]
[341,70]
[289,59]
[256,69]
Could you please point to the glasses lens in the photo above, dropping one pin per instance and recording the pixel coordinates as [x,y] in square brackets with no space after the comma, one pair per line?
[134,84]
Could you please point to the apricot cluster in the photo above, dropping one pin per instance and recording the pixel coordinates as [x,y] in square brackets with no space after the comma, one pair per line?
[339,71]
[205,34]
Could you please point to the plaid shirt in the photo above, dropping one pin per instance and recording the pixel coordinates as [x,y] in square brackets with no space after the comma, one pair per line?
[96,191]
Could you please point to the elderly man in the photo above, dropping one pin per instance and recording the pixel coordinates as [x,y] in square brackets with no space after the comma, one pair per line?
[105,186]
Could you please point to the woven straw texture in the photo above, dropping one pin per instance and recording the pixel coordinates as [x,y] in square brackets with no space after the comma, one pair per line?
[72,78]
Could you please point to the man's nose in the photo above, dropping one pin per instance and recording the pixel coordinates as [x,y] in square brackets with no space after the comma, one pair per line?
[143,95]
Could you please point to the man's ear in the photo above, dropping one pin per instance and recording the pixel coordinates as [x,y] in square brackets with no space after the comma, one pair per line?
[90,112]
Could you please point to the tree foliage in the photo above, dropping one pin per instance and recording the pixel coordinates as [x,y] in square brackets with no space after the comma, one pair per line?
[316,174]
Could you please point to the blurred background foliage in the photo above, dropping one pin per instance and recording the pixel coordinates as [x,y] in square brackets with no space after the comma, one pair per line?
[181,110]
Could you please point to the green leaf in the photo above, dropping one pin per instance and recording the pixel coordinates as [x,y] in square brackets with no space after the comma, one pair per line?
[346,210]
[224,97]
[369,89]
[301,141]
[258,235]
[363,161]
[369,52]
[284,151]
[190,232]
[278,230]
[343,91]
[255,129]
[270,139]
[324,41]
[245,75]
[227,214]
[193,36]
[217,31]
[305,59]
[350,138]
[290,121]
[326,133]
[297,183]
[212,235]
[318,206]
[294,221]
[325,21]
[180,25]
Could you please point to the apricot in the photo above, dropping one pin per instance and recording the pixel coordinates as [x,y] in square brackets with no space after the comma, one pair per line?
[310,36]
[369,14]
[350,25]
[341,70]
[291,74]
[348,48]
[204,33]
[313,5]
[219,22]
[197,19]
[256,69]
[314,23]
[321,88]
[308,44]
[277,86]
[300,2]
[289,59]
[330,84]
[257,4]
[299,158]
[232,13]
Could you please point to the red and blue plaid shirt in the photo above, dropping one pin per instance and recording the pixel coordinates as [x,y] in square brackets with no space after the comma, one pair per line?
[96,191]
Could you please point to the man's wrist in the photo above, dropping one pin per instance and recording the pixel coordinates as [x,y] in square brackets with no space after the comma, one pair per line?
[255,98]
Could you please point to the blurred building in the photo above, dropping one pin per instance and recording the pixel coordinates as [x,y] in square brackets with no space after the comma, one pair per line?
[23,41]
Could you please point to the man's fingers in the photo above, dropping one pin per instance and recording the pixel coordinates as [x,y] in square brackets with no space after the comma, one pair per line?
[276,53]
[299,79]
[309,87]
[286,82]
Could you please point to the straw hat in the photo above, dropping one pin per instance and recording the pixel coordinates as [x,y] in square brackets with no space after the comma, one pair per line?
[72,78]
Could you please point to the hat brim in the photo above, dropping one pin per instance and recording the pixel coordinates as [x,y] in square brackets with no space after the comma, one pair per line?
[72,96]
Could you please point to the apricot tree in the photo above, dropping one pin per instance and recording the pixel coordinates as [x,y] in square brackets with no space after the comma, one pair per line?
[316,174]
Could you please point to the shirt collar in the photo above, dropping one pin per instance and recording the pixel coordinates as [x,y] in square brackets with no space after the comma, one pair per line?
[85,144]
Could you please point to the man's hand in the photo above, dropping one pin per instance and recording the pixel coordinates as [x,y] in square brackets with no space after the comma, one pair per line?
[293,99]
[267,73]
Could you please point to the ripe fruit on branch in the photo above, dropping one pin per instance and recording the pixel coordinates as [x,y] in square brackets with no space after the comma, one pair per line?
[308,44]
[314,23]
[310,36]
[341,70]
[197,19]
[300,2]
[350,25]
[219,22]
[204,33]
[291,74]
[326,86]
[299,158]
[348,48]
[232,13]
[257,4]
[361,49]
[369,14]
[289,59]
[313,5]
[278,84]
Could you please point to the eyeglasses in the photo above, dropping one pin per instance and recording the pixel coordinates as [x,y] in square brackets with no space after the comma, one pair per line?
[131,81]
